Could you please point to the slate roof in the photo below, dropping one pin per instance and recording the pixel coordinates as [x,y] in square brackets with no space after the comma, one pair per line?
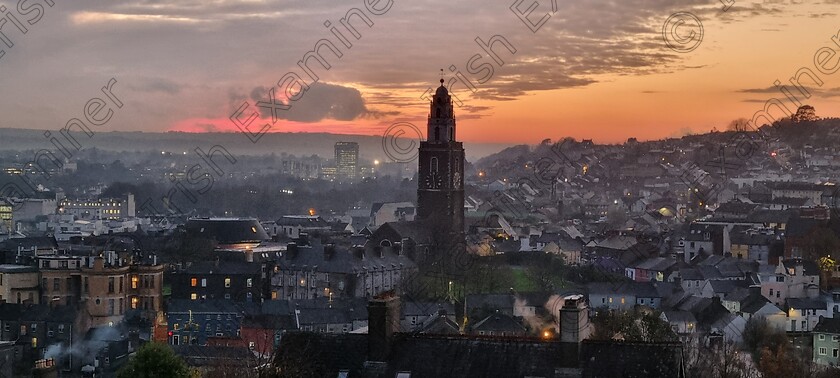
[416,308]
[340,261]
[498,323]
[735,208]
[754,303]
[828,325]
[227,267]
[679,316]
[657,264]
[628,359]
[805,303]
[210,306]
[41,242]
[439,324]
[286,322]
[726,286]
[39,312]
[800,227]
[197,355]
[809,267]
[303,221]
[227,230]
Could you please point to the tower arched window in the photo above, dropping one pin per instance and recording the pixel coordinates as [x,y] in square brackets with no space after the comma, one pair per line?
[437,133]
[433,165]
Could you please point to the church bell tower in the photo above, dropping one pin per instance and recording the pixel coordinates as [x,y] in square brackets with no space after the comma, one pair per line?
[440,187]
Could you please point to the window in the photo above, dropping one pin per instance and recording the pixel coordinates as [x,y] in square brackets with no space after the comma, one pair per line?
[835,338]
[227,296]
[134,281]
[203,282]
[603,300]
[227,282]
[822,337]
[61,328]
[771,292]
[249,282]
[43,283]
[778,294]
[134,301]
[822,351]
[121,284]
[111,285]
[110,307]
[193,282]
[834,353]
[193,296]
[56,284]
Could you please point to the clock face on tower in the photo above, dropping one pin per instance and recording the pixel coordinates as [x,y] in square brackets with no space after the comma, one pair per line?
[433,181]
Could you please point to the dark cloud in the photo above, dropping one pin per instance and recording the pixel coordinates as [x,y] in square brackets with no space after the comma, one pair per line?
[321,101]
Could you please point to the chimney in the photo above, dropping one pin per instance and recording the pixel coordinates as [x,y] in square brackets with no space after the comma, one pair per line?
[98,263]
[292,250]
[329,252]
[383,323]
[574,319]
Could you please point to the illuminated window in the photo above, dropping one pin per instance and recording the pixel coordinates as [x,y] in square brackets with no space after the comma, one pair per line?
[134,281]
[193,282]
[203,282]
[193,296]
[34,342]
[134,301]
[227,282]
[249,282]
[273,295]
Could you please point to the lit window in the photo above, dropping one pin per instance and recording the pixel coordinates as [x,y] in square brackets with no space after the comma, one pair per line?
[193,282]
[203,282]
[249,282]
[227,282]
[193,296]
[134,281]
[134,301]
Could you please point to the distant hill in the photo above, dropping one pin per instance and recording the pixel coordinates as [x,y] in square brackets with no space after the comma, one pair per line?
[299,144]
[822,133]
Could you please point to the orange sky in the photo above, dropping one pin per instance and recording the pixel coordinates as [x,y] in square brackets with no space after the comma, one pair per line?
[596,70]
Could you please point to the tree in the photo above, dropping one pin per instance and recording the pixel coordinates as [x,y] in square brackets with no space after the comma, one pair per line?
[635,325]
[722,360]
[155,360]
[740,124]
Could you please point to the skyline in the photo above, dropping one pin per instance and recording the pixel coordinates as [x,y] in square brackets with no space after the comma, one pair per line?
[189,66]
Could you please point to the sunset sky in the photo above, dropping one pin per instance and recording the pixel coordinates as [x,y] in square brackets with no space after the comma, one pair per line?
[596,69]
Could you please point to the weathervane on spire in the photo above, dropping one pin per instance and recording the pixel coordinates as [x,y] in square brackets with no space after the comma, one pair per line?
[442,75]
